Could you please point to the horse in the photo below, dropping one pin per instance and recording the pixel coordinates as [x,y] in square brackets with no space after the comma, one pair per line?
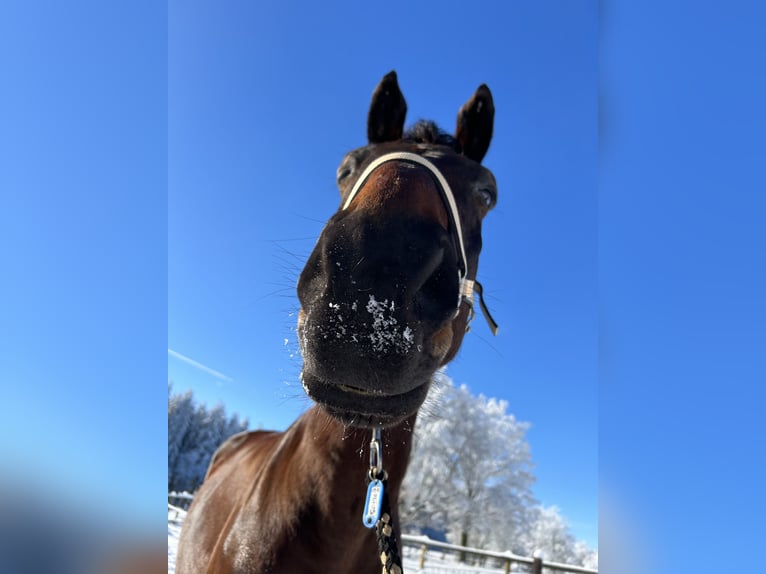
[386,297]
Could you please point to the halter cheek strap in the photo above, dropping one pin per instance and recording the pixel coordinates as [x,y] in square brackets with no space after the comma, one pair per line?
[467,286]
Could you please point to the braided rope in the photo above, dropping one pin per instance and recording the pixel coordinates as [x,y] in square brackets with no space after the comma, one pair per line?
[388,546]
[377,479]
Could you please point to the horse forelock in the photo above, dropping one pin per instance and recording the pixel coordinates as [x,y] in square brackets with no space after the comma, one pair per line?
[426,131]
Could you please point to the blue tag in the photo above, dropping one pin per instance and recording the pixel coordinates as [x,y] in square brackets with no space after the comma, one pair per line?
[372,503]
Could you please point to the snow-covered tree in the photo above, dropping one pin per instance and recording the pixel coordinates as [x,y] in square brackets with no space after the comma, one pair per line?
[470,475]
[585,555]
[194,433]
[180,414]
[550,535]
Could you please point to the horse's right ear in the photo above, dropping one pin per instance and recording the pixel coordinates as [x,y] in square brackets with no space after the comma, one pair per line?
[385,122]
[474,124]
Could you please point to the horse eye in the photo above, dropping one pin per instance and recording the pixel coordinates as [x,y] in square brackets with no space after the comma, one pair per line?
[487,197]
[343,173]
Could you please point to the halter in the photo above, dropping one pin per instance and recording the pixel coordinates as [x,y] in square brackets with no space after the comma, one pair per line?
[467,286]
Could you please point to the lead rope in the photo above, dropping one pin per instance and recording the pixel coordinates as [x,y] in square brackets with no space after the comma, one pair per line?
[377,509]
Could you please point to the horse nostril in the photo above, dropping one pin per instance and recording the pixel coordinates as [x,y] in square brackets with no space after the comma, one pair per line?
[436,298]
[427,265]
[436,290]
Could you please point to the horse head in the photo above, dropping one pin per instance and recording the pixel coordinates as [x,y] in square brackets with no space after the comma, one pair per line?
[386,294]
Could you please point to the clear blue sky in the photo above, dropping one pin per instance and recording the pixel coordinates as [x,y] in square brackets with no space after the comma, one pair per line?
[83,124]
[264,103]
[150,167]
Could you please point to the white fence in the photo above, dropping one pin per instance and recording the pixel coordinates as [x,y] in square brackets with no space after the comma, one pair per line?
[423,555]
[444,557]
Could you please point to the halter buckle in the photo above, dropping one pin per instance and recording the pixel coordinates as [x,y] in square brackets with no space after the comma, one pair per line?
[376,455]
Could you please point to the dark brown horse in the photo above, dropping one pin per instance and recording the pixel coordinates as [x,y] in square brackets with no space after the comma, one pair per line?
[386,297]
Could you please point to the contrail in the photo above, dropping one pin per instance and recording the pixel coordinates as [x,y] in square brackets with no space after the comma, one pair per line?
[199,366]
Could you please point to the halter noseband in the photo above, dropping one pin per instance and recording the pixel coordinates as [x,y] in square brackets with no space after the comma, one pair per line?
[467,286]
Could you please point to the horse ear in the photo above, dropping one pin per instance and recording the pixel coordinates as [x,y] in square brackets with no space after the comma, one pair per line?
[474,124]
[385,122]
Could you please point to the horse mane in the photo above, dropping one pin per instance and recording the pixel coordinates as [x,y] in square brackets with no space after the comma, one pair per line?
[426,131]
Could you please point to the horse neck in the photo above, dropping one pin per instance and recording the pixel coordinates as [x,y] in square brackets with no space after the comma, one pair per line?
[338,456]
[327,469]
[308,501]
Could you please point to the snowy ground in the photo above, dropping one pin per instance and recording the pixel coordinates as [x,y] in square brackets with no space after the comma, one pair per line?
[436,562]
[175,518]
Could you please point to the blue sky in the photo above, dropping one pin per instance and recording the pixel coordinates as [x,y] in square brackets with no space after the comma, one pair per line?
[625,265]
[682,277]
[83,257]
[262,108]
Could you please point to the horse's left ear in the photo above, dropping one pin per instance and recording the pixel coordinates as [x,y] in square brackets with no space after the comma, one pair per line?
[474,124]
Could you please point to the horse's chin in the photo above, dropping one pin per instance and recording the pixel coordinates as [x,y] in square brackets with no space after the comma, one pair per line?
[356,407]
